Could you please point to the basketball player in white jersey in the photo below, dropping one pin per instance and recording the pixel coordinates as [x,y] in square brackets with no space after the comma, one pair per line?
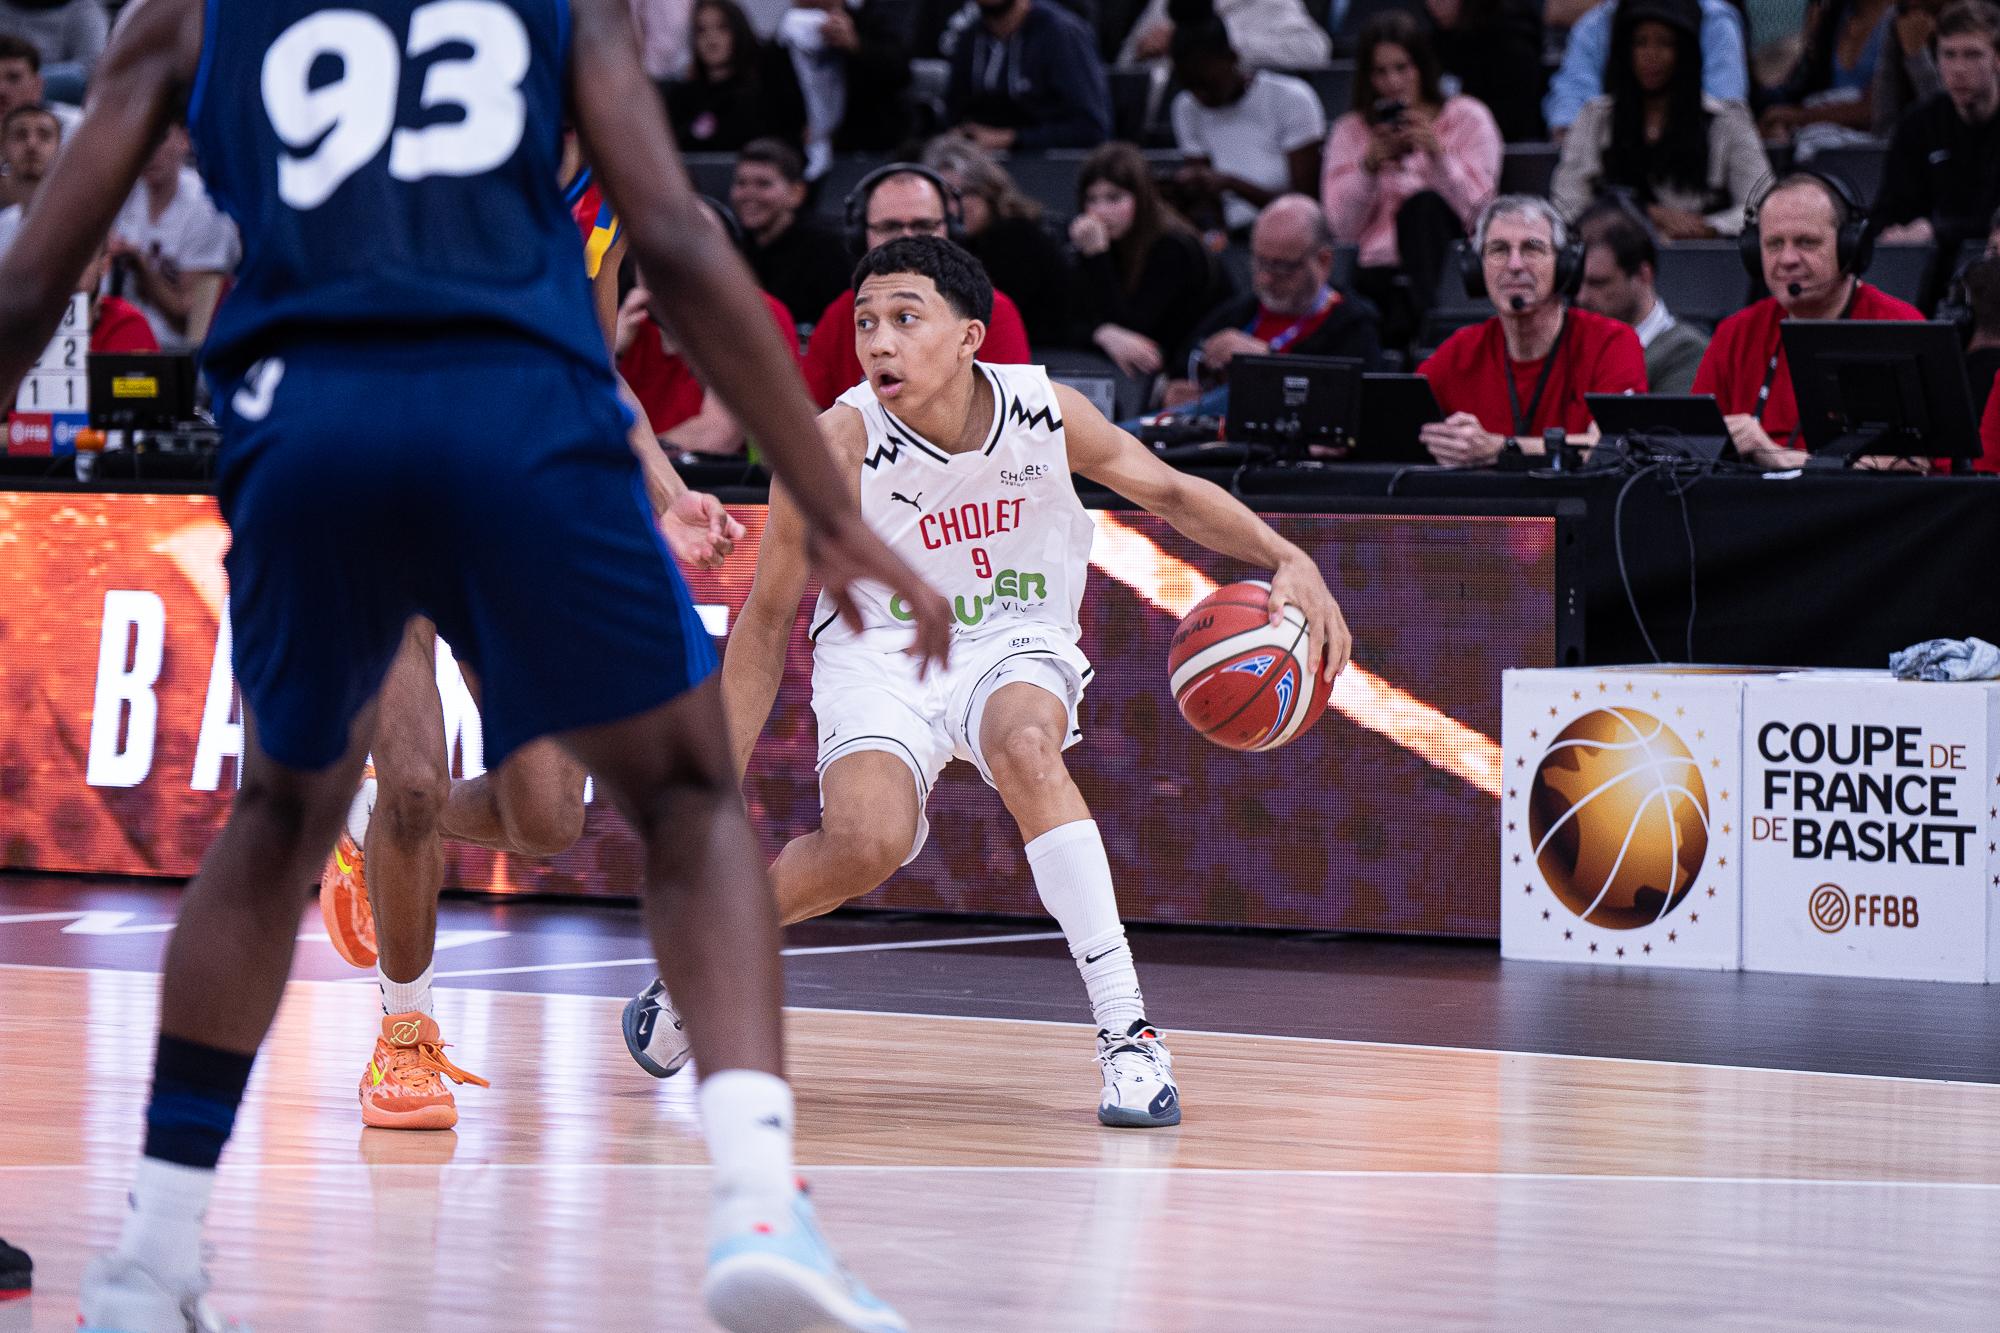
[963,468]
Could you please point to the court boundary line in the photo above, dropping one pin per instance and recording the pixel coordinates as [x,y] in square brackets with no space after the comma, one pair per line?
[1024,1169]
[1990,1087]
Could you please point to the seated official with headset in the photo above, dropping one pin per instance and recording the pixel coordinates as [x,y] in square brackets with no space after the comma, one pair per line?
[1506,381]
[901,199]
[1808,240]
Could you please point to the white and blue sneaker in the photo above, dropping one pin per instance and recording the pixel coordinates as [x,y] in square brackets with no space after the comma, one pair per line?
[653,1032]
[119,1296]
[1139,1091]
[782,1277]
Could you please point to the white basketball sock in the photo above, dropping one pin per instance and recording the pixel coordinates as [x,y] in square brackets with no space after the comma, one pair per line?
[405,997]
[746,1116]
[162,1232]
[1073,877]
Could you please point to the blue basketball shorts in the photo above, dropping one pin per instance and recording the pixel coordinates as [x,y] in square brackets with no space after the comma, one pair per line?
[484,483]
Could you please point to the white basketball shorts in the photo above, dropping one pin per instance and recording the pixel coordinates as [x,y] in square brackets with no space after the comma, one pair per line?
[869,700]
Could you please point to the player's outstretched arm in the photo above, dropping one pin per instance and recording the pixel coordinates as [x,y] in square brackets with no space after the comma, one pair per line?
[1204,512]
[141,79]
[716,314]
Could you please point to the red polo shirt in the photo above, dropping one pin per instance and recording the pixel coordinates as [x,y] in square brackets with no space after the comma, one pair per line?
[121,328]
[1597,355]
[1989,437]
[833,367]
[1739,356]
[666,385]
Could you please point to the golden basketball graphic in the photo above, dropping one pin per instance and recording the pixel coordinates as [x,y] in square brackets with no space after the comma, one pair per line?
[1618,816]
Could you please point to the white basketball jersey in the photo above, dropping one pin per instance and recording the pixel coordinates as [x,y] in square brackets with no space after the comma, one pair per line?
[997,530]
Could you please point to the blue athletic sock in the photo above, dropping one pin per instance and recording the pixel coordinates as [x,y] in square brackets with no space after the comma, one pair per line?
[196,1090]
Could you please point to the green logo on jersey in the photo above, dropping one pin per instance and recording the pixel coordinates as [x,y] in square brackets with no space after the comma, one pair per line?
[1016,588]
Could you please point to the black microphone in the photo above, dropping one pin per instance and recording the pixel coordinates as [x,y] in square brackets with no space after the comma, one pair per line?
[1518,302]
[1795,290]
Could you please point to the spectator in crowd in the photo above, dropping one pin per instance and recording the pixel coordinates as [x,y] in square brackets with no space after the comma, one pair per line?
[1941,181]
[1725,72]
[796,259]
[1028,76]
[1003,230]
[1690,161]
[116,325]
[1144,279]
[1982,353]
[30,138]
[21,82]
[173,246]
[1494,49]
[902,199]
[1620,260]
[664,28]
[679,409]
[1266,34]
[737,88]
[852,63]
[1293,308]
[69,34]
[1406,170]
[1245,138]
[1833,83]
[1527,369]
[1907,73]
[1799,226]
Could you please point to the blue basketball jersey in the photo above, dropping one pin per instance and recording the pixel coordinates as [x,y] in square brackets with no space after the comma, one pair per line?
[392,167]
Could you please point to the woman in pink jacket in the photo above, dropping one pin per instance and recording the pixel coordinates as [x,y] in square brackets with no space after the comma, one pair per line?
[1406,170]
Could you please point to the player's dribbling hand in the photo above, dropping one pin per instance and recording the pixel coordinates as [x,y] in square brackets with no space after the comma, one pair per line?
[1297,582]
[699,531]
[847,550]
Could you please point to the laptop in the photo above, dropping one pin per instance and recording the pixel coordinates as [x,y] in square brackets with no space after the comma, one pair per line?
[1291,403]
[1393,409]
[141,390]
[1685,424]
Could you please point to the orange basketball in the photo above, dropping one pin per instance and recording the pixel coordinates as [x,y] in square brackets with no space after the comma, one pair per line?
[1240,680]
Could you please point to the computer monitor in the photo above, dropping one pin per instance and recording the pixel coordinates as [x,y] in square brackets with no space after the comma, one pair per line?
[1686,425]
[1291,403]
[141,390]
[1883,387]
[1101,390]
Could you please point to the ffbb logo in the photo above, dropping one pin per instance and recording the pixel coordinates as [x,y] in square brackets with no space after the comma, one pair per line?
[1833,909]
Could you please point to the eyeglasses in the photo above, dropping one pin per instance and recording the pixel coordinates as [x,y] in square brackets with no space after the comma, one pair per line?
[893,227]
[1277,268]
[1529,249]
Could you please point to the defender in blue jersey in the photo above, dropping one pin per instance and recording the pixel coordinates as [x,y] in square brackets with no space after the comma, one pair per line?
[419,418]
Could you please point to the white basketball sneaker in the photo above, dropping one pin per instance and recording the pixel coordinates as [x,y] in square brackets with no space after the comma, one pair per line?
[653,1032]
[119,1296]
[1139,1091]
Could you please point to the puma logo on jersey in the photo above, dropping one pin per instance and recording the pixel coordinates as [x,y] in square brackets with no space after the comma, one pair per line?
[904,499]
[1046,416]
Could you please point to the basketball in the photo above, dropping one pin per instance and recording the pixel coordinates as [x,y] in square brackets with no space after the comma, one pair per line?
[1240,680]
[1619,818]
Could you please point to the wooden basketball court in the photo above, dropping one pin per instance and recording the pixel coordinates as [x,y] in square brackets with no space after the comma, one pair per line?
[1313,1185]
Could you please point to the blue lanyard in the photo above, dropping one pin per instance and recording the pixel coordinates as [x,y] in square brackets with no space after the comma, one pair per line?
[1285,338]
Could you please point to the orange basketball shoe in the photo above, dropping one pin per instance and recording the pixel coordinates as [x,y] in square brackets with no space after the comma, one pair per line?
[404,1086]
[343,884]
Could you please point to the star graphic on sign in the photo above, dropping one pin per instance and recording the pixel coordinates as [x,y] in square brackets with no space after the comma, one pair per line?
[1680,712]
[1725,830]
[1534,735]
[1520,763]
[1672,936]
[1517,858]
[1510,826]
[1593,946]
[1526,888]
[1694,918]
[1566,934]
[1628,687]
[1646,948]
[1723,861]
[1600,687]
[1510,793]
[1552,712]
[1545,914]
[1715,763]
[1700,735]
[1578,694]
[1656,695]
[1711,892]
[1621,951]
[1725,796]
